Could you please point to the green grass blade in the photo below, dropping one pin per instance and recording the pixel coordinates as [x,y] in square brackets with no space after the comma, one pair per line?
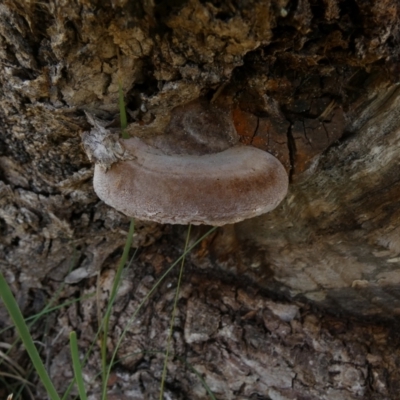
[171,328]
[98,333]
[116,283]
[48,308]
[121,265]
[201,379]
[155,286]
[18,393]
[23,331]
[34,318]
[77,366]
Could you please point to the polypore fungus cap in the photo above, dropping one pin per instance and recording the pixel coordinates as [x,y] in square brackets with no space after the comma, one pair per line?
[233,183]
[214,189]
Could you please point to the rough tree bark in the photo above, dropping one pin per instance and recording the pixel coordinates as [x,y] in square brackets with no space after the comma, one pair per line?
[298,304]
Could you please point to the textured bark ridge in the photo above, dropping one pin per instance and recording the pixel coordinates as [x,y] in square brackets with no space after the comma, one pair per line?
[244,344]
[335,239]
[314,83]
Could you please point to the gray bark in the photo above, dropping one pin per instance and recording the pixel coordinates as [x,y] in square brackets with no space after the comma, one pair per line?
[299,303]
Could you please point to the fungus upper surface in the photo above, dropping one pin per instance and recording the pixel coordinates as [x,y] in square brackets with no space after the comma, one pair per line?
[176,178]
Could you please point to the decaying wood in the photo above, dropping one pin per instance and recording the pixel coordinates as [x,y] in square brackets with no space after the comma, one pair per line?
[299,303]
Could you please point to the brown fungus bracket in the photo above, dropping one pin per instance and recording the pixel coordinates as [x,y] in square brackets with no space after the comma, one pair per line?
[159,184]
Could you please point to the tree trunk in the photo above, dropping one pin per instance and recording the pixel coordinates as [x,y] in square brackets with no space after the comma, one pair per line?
[299,303]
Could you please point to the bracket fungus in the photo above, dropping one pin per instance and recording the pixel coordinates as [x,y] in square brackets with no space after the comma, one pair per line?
[160,184]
